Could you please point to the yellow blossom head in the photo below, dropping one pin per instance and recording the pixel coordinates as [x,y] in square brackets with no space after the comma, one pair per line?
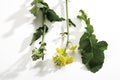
[62,60]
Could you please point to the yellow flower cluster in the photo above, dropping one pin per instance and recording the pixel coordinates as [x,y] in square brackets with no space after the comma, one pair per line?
[62,58]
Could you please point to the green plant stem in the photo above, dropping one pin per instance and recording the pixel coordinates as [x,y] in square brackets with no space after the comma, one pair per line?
[44,25]
[67,25]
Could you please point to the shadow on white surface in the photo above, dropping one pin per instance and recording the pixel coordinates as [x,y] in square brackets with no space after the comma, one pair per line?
[44,68]
[19,18]
[25,44]
[76,33]
[19,66]
[37,22]
[61,4]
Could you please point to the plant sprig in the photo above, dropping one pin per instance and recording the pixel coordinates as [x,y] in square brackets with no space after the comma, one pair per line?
[40,5]
[68,24]
[62,58]
[47,13]
[91,49]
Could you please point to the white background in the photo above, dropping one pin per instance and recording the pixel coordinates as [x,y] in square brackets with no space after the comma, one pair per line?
[17,26]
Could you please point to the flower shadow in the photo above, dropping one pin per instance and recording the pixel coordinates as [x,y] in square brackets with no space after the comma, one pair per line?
[45,67]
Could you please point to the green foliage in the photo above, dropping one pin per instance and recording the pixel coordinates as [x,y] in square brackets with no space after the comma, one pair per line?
[39,5]
[39,32]
[91,49]
[71,23]
[36,1]
[47,13]
[52,16]
[38,53]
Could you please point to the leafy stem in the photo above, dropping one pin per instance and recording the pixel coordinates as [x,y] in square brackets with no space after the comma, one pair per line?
[39,53]
[92,50]
[47,13]
[44,25]
[67,25]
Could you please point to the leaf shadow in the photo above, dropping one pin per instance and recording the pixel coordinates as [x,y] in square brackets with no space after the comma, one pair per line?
[19,18]
[47,66]
[60,3]
[77,32]
[37,22]
[25,44]
[20,64]
[17,67]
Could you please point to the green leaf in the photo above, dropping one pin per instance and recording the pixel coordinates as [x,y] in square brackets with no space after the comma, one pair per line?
[83,15]
[96,61]
[91,50]
[34,10]
[36,1]
[37,5]
[89,29]
[71,23]
[38,33]
[52,16]
[102,45]
[92,53]
[93,40]
[86,57]
[43,6]
[84,41]
[88,21]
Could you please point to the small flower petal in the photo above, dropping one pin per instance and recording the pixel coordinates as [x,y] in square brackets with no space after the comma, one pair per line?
[69,60]
[60,50]
[73,48]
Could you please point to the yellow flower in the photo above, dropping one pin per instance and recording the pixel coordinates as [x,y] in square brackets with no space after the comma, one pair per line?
[59,60]
[60,50]
[73,48]
[62,60]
